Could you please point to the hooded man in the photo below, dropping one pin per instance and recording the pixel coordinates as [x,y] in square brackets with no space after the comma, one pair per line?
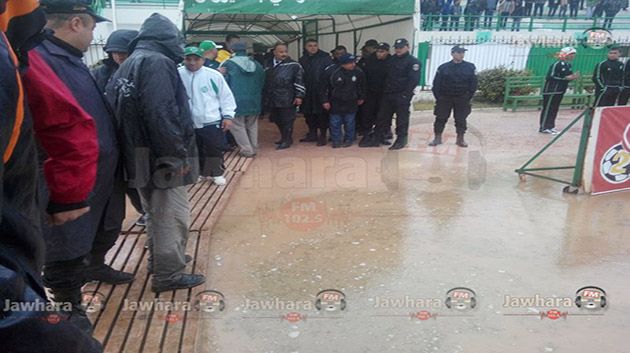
[158,143]
[246,78]
[117,49]
[314,62]
[212,105]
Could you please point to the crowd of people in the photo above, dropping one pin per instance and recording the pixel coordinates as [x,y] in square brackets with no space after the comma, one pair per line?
[480,14]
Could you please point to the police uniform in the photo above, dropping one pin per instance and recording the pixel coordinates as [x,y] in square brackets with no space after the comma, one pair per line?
[556,84]
[453,87]
[608,78]
[403,75]
[625,93]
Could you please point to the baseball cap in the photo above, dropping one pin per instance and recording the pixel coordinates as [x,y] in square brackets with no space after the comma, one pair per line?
[71,6]
[568,50]
[458,49]
[347,58]
[382,46]
[209,45]
[400,43]
[193,51]
[372,43]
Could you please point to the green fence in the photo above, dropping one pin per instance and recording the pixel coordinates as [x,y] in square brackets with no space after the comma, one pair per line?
[540,58]
[163,3]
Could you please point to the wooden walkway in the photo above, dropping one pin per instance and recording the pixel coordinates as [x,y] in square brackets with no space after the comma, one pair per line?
[119,323]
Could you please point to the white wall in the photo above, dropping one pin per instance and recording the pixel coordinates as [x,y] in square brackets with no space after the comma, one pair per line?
[132,18]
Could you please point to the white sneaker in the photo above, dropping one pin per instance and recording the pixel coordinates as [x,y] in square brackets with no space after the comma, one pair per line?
[220,180]
[554,131]
[201,179]
[548,131]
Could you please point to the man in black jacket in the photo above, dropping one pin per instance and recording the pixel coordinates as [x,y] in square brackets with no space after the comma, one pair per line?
[158,144]
[375,68]
[403,76]
[608,78]
[117,49]
[557,81]
[314,62]
[454,85]
[342,94]
[283,92]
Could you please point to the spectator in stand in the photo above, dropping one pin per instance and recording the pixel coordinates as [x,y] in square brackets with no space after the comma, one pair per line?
[471,15]
[428,11]
[455,14]
[564,5]
[517,15]
[528,7]
[611,9]
[539,6]
[591,6]
[491,6]
[553,7]
[573,8]
[447,8]
[504,7]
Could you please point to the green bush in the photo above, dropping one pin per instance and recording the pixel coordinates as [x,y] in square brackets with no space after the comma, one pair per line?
[492,83]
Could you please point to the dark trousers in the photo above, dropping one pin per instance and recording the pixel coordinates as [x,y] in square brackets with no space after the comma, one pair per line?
[393,103]
[623,97]
[111,223]
[316,122]
[538,9]
[607,97]
[459,105]
[369,111]
[487,20]
[134,197]
[573,9]
[549,112]
[528,8]
[284,119]
[210,143]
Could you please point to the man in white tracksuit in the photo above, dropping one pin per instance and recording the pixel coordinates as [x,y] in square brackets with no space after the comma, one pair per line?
[213,107]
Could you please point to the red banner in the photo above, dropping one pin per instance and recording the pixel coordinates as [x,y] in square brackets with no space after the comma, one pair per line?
[609,151]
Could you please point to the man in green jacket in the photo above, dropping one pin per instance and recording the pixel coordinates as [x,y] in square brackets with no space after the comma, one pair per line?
[246,78]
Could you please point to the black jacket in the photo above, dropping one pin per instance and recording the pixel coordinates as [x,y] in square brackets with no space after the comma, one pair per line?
[453,79]
[314,66]
[342,89]
[151,104]
[104,72]
[375,73]
[283,83]
[403,75]
[556,79]
[608,74]
[626,75]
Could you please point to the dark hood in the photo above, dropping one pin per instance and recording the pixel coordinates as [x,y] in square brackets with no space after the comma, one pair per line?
[158,33]
[119,40]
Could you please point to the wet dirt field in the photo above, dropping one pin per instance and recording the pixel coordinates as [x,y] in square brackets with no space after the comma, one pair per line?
[395,231]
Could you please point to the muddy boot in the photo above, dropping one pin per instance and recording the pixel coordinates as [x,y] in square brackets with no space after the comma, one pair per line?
[323,139]
[286,139]
[310,137]
[460,141]
[400,143]
[437,140]
[72,297]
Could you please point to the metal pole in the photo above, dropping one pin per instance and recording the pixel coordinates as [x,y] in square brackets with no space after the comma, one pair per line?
[114,17]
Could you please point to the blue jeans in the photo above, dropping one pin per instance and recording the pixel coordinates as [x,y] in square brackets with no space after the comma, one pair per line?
[348,121]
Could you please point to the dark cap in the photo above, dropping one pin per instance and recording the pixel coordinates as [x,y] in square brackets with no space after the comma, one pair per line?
[118,41]
[458,49]
[71,6]
[400,43]
[372,43]
[347,59]
[238,47]
[382,46]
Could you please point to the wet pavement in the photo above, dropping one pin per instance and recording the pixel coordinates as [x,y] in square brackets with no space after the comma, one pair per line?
[395,231]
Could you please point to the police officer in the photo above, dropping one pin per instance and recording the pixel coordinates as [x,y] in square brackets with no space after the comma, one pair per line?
[403,75]
[375,68]
[625,93]
[454,85]
[558,77]
[608,78]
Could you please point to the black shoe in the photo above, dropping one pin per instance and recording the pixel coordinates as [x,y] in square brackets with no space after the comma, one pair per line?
[142,221]
[107,274]
[386,141]
[389,135]
[400,143]
[369,141]
[436,141]
[347,144]
[278,142]
[336,145]
[322,140]
[79,318]
[187,258]
[460,141]
[283,146]
[310,137]
[184,281]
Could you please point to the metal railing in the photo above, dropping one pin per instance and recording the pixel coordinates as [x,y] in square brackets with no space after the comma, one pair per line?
[438,22]
[162,3]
